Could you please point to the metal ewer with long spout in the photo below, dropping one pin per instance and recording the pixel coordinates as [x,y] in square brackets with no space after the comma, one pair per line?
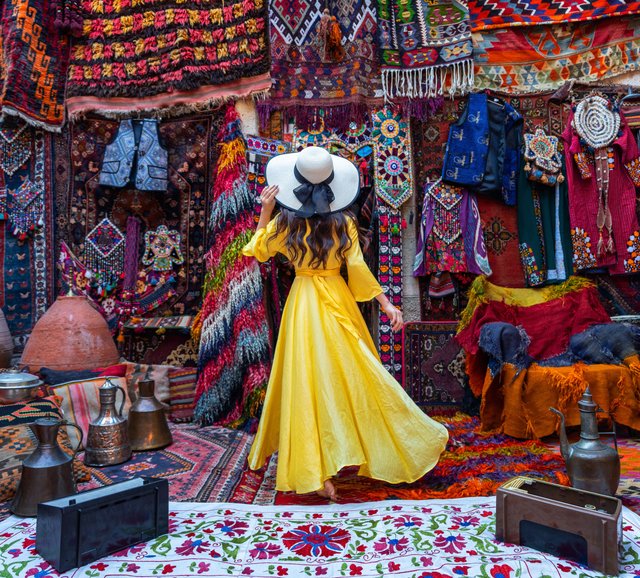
[108,435]
[592,465]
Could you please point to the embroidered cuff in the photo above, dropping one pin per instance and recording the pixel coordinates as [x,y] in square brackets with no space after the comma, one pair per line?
[633,168]
[582,160]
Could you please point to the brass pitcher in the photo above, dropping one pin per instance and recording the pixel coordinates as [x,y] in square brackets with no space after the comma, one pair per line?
[591,464]
[108,437]
[47,474]
[148,427]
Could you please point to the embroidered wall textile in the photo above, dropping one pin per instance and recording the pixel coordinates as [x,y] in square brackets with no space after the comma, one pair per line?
[306,79]
[140,55]
[425,48]
[34,56]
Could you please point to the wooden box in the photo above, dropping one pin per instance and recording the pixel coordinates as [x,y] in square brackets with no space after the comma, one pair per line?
[566,522]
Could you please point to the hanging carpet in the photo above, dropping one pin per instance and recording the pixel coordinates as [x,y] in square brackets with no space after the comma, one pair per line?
[425,48]
[27,262]
[184,56]
[34,56]
[486,14]
[306,78]
[82,203]
[542,58]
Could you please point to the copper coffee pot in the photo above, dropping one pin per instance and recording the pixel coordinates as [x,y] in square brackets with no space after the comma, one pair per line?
[592,465]
[47,473]
[108,437]
[148,427]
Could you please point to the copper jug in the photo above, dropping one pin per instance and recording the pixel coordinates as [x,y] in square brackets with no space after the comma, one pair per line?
[592,465]
[148,427]
[47,473]
[108,436]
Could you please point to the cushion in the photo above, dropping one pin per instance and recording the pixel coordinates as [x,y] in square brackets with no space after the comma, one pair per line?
[158,373]
[81,400]
[182,389]
[55,376]
[17,441]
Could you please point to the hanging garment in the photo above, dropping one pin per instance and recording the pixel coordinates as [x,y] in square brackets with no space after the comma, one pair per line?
[330,403]
[543,229]
[483,148]
[602,193]
[451,237]
[136,150]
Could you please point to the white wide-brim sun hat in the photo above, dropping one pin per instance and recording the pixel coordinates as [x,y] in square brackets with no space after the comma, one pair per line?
[316,165]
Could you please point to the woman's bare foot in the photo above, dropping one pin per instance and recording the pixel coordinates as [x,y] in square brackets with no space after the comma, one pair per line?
[329,491]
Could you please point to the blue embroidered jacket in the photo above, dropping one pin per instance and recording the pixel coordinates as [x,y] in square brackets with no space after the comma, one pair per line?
[136,150]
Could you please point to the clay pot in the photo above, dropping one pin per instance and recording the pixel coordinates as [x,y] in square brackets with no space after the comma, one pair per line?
[6,343]
[71,335]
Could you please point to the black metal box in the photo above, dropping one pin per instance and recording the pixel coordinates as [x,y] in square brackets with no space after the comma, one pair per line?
[76,530]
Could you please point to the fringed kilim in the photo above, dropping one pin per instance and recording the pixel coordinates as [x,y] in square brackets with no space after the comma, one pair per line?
[487,14]
[306,79]
[436,539]
[425,48]
[234,338]
[541,58]
[167,55]
[34,55]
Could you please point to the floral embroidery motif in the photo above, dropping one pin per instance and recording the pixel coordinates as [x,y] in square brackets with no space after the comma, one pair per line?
[532,273]
[583,258]
[584,165]
[497,236]
[632,263]
[633,168]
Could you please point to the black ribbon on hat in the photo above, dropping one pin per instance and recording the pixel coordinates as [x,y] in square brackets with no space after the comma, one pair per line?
[315,198]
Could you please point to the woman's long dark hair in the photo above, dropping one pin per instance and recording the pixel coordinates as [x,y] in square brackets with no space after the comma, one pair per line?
[325,231]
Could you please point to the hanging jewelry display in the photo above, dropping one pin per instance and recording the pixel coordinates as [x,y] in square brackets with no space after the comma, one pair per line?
[3,204]
[544,161]
[597,122]
[25,209]
[104,254]
[162,249]
[15,148]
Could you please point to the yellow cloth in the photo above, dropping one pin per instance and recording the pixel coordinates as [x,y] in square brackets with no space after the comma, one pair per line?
[330,403]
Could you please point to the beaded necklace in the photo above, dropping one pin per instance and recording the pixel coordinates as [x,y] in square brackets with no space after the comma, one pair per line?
[597,122]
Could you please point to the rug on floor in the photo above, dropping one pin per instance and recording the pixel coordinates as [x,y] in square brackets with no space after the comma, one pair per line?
[474,463]
[202,464]
[436,539]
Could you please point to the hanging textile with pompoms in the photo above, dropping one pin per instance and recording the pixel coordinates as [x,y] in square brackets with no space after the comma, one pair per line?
[104,254]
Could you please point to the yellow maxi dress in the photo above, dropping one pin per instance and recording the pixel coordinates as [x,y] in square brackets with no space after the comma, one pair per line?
[330,402]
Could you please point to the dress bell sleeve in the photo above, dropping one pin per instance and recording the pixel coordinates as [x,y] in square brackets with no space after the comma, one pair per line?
[362,284]
[263,245]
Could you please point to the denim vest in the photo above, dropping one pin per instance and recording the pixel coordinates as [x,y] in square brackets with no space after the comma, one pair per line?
[136,148]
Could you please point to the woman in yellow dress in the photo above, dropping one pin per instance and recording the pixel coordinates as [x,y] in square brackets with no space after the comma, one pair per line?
[330,402]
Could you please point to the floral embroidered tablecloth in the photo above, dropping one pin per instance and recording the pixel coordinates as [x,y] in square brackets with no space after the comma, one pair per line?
[413,539]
